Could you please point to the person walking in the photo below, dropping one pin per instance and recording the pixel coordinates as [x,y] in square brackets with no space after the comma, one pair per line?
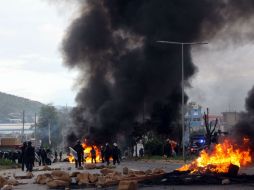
[93,155]
[80,153]
[115,154]
[30,156]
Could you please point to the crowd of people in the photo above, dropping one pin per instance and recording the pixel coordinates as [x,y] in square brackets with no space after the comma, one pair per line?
[106,152]
[29,155]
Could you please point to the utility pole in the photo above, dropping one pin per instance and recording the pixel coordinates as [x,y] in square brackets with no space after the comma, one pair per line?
[35,132]
[23,126]
[49,128]
[182,44]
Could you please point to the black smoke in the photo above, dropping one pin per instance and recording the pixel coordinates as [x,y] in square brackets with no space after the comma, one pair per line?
[245,127]
[113,44]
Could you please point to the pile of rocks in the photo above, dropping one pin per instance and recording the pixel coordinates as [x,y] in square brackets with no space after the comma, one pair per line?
[106,177]
[55,179]
[8,183]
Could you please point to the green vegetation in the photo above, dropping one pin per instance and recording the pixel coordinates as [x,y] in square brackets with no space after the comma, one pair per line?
[154,147]
[13,106]
[7,164]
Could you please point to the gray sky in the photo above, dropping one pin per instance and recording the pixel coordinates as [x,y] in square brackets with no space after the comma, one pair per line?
[225,76]
[30,59]
[31,65]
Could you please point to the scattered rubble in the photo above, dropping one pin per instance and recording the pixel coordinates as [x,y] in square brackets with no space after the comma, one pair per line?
[13,182]
[107,177]
[128,185]
[225,182]
[29,175]
[3,181]
[7,187]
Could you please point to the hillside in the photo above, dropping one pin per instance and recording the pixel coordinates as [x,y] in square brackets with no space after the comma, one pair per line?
[11,108]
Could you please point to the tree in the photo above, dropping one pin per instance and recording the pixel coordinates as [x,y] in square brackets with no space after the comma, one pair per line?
[49,121]
[210,127]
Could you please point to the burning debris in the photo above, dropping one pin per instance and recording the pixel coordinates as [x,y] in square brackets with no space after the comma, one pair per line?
[220,159]
[87,154]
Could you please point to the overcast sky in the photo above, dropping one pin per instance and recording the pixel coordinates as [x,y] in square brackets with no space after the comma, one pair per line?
[30,58]
[31,65]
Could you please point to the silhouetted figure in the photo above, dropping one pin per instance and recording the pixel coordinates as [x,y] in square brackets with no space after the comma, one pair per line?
[93,155]
[56,155]
[107,153]
[23,156]
[102,154]
[80,153]
[60,155]
[115,154]
[141,152]
[43,156]
[39,156]
[49,157]
[29,154]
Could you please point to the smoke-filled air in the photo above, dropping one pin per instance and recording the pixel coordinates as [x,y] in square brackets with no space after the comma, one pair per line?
[124,72]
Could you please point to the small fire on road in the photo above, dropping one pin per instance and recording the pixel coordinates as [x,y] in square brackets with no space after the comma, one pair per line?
[220,158]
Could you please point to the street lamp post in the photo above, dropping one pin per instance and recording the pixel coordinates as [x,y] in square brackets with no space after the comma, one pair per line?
[182,44]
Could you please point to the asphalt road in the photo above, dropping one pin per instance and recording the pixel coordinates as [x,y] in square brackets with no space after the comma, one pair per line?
[168,166]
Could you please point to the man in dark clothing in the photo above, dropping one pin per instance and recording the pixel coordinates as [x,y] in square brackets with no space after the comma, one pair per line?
[23,158]
[55,156]
[43,156]
[93,155]
[141,152]
[115,154]
[107,153]
[102,154]
[38,152]
[80,153]
[30,156]
[60,155]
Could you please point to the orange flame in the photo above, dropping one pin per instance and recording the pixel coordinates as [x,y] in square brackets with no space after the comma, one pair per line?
[219,159]
[87,154]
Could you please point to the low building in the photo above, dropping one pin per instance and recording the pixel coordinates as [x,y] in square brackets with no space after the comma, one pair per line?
[16,130]
[194,117]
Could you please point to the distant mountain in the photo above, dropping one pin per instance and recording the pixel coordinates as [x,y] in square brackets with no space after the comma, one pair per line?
[11,108]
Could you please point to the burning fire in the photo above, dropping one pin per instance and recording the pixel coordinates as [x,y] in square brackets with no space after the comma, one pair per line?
[87,154]
[219,159]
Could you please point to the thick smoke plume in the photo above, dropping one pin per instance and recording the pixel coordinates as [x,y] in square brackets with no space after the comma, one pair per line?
[112,43]
[245,127]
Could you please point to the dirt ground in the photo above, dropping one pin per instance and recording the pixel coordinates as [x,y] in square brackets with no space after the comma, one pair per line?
[168,166]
